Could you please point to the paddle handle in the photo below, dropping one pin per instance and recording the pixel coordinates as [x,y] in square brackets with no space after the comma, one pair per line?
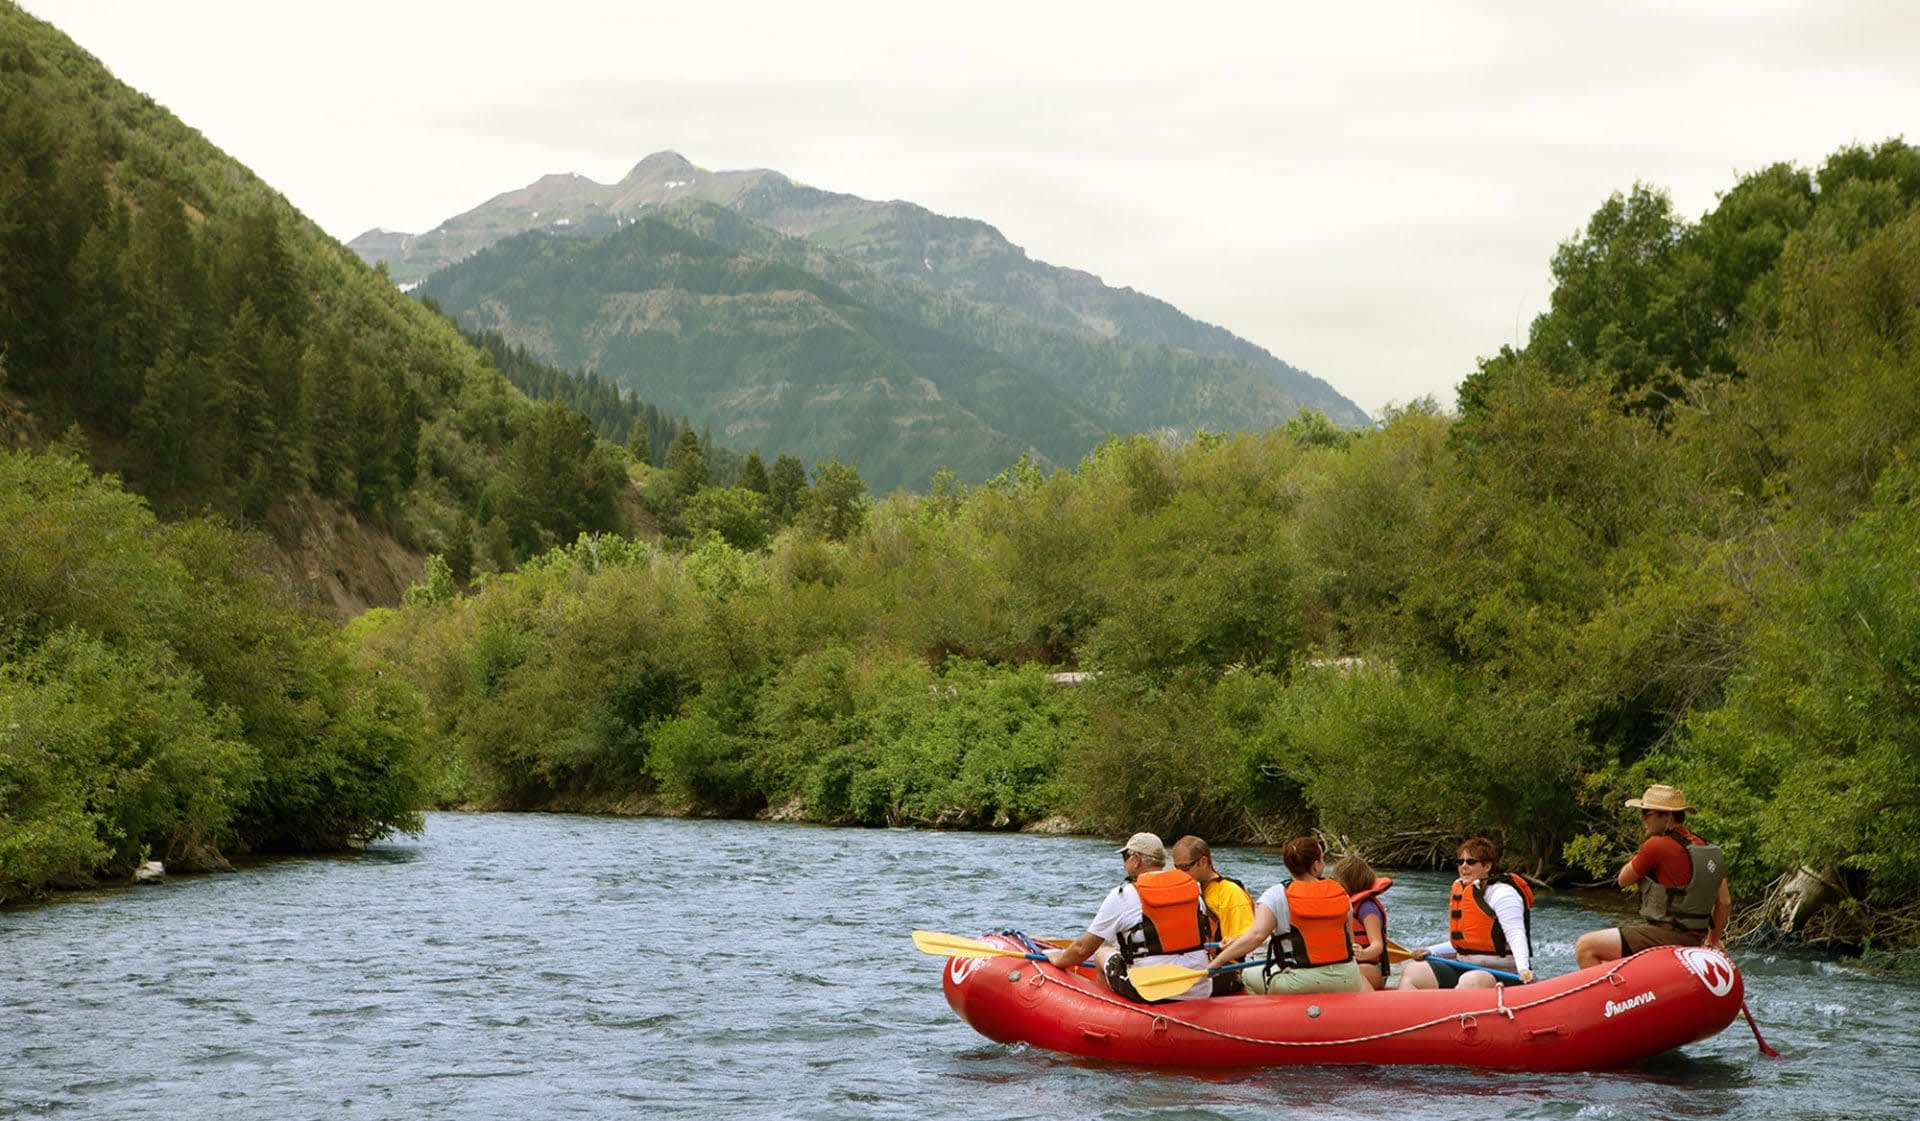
[1500,973]
[1397,952]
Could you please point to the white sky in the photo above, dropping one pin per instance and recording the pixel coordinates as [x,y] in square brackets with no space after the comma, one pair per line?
[1372,191]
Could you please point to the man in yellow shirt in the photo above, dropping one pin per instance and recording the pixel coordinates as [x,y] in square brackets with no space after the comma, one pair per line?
[1227,899]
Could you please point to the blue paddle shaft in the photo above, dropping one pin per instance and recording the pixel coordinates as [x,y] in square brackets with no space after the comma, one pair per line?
[1458,964]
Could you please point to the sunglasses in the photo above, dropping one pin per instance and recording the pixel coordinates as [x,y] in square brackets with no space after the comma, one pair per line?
[1650,813]
[1464,862]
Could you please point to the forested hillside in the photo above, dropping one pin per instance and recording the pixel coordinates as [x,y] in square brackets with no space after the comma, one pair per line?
[1672,540]
[222,354]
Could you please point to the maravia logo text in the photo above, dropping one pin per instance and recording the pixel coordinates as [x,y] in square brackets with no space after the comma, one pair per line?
[1614,1008]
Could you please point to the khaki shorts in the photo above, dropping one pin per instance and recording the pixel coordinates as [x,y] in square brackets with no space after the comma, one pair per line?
[1343,977]
[1646,936]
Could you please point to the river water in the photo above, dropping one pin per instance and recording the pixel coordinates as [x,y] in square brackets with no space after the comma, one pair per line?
[533,966]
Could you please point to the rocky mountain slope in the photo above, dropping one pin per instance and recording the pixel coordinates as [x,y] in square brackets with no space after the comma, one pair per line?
[941,304]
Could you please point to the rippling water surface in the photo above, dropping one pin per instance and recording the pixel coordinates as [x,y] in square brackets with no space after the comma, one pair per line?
[531,966]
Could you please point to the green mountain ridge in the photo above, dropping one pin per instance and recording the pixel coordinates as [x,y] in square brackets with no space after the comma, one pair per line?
[789,359]
[1136,387]
[990,290]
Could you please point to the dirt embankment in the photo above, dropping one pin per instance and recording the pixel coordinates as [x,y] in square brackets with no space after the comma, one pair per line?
[327,556]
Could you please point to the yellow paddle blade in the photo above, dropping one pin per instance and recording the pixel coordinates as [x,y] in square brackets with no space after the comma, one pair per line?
[1397,952]
[954,946]
[1158,982]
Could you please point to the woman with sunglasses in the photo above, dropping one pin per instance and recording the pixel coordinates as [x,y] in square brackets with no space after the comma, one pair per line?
[1489,923]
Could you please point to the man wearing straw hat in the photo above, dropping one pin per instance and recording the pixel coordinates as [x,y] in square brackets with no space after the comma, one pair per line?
[1683,885]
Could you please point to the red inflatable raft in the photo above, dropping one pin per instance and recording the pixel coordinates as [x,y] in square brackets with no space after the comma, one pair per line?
[1611,1015]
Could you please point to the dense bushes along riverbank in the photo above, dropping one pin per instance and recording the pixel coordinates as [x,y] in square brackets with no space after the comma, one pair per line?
[158,701]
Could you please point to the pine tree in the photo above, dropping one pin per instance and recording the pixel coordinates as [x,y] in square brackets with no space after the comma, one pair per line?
[835,508]
[753,473]
[101,351]
[164,423]
[688,462]
[165,276]
[326,402]
[786,487]
[638,446]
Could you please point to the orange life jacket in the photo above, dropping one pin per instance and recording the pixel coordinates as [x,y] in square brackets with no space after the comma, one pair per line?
[1472,926]
[1172,921]
[1319,934]
[1360,941]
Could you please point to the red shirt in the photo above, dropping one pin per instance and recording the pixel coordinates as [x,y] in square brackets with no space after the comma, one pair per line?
[1664,857]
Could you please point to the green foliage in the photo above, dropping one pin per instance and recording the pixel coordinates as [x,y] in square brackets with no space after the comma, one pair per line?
[753,475]
[1310,428]
[834,509]
[687,463]
[786,488]
[1228,596]
[156,696]
[1815,755]
[1648,305]
[1414,758]
[108,752]
[225,356]
[697,763]
[1159,754]
[722,571]
[436,587]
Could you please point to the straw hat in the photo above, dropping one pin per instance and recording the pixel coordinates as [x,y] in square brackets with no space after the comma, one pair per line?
[1657,797]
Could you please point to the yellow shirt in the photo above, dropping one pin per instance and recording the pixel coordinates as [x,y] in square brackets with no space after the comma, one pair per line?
[1228,901]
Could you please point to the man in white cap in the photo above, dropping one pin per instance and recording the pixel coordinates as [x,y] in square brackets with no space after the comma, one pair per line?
[1683,886]
[1155,918]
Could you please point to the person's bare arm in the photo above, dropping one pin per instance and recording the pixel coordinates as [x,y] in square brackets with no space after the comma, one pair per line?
[1717,922]
[1629,875]
[1076,951]
[1376,947]
[1263,924]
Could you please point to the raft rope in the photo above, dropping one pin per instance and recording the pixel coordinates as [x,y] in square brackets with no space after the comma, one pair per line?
[1464,1019]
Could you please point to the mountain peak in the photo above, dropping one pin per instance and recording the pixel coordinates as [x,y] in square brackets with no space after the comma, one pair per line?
[660,165]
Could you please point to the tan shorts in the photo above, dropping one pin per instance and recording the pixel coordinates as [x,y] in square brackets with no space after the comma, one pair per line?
[1645,936]
[1343,977]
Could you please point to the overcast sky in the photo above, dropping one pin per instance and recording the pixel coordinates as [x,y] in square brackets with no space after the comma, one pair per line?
[1370,191]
